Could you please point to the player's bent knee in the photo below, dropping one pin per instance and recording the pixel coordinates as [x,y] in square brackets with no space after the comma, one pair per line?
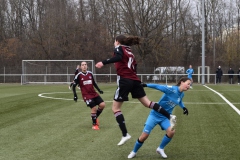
[102,105]
[170,132]
[143,137]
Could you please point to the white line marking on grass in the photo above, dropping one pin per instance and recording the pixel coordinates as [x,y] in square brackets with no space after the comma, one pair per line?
[42,95]
[225,99]
[196,103]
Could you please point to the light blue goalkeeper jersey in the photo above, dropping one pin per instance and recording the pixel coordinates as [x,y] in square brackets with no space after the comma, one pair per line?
[171,98]
[189,72]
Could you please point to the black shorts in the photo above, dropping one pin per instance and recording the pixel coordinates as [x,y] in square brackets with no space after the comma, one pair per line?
[94,101]
[126,86]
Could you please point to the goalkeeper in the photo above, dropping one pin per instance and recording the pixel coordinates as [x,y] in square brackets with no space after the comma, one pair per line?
[172,96]
[92,99]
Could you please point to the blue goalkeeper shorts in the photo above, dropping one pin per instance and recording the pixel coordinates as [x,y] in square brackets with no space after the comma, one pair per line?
[152,121]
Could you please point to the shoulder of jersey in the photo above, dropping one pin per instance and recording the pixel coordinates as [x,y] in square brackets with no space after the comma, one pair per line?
[89,72]
[117,48]
[84,74]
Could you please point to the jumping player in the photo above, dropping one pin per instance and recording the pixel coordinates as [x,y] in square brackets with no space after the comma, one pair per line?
[128,82]
[86,82]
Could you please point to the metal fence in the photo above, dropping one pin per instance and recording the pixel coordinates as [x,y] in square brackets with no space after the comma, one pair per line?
[108,78]
[108,75]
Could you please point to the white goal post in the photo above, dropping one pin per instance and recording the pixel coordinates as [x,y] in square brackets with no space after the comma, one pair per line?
[207,71]
[51,71]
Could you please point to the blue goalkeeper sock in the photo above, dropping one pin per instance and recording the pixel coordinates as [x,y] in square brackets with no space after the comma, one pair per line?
[165,141]
[137,145]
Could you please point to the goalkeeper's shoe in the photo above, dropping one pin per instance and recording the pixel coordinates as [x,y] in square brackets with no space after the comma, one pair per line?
[173,121]
[132,155]
[95,127]
[161,152]
[124,139]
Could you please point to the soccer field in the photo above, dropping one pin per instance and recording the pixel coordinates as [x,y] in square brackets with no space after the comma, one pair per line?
[42,122]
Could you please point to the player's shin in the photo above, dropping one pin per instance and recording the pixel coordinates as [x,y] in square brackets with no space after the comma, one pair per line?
[121,122]
[94,118]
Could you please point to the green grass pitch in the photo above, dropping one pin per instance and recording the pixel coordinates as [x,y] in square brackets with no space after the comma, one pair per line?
[54,127]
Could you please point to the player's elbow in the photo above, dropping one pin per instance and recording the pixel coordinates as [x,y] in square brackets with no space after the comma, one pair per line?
[74,85]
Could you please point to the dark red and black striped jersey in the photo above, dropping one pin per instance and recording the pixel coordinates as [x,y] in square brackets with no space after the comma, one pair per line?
[86,83]
[126,67]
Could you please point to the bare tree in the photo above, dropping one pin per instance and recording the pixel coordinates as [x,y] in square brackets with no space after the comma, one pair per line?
[85,29]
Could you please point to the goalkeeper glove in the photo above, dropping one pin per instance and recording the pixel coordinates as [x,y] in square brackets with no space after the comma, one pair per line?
[101,92]
[75,98]
[185,111]
[144,85]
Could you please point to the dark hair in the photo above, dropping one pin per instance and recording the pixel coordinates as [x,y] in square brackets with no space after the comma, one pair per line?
[183,79]
[82,62]
[128,40]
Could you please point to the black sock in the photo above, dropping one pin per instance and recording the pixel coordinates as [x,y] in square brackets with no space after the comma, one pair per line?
[121,122]
[94,117]
[139,141]
[159,109]
[99,111]
[167,136]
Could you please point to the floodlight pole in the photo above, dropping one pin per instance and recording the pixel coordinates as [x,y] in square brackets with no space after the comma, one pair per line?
[238,29]
[203,43]
[214,39]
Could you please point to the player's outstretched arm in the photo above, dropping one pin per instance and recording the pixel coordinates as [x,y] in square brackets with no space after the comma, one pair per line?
[75,98]
[144,84]
[96,86]
[99,65]
[118,57]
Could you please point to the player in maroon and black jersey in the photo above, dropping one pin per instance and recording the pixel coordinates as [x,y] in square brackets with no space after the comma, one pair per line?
[87,83]
[76,72]
[128,82]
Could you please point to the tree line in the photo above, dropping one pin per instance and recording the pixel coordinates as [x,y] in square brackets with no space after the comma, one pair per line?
[171,30]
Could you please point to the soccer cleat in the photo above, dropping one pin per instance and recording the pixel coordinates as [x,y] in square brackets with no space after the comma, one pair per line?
[161,152]
[95,127]
[173,121]
[124,139]
[132,155]
[97,122]
[191,87]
